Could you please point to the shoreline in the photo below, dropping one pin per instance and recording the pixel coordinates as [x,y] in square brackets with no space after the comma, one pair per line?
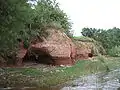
[54,76]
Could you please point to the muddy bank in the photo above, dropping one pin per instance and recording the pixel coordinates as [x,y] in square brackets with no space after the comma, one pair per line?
[100,81]
[47,76]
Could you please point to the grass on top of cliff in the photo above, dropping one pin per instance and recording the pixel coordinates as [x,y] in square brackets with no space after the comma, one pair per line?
[57,75]
[83,38]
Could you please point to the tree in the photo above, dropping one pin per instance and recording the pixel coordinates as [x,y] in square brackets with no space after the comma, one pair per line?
[90,32]
[48,13]
[21,19]
[14,14]
[109,38]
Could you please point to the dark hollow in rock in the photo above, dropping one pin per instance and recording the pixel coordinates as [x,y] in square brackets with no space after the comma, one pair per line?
[90,54]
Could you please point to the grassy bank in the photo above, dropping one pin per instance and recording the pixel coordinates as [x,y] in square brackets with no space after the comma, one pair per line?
[57,75]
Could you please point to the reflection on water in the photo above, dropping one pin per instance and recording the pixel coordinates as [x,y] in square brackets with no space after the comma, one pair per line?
[101,81]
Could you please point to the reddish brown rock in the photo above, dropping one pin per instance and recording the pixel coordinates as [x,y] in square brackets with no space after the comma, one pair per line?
[58,48]
[21,53]
[83,50]
[2,61]
[83,53]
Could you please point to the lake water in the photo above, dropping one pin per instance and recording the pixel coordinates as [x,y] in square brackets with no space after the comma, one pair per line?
[100,81]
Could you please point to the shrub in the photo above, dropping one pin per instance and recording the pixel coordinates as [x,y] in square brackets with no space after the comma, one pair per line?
[19,20]
[102,59]
[114,51]
[96,46]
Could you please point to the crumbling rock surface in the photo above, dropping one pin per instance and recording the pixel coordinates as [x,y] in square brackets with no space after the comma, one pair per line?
[56,49]
[59,49]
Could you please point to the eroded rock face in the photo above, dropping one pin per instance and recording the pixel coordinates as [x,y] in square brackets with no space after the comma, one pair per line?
[83,53]
[2,61]
[20,54]
[57,47]
[83,50]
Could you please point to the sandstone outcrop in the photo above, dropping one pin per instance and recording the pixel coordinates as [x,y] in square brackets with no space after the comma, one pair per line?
[57,49]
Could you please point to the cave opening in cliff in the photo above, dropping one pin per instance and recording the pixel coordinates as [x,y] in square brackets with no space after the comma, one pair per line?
[41,58]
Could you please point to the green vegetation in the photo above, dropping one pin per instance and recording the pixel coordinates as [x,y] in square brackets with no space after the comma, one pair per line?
[96,46]
[24,20]
[58,75]
[114,51]
[84,39]
[110,39]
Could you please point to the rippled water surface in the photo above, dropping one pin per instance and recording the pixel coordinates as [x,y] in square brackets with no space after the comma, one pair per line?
[100,81]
